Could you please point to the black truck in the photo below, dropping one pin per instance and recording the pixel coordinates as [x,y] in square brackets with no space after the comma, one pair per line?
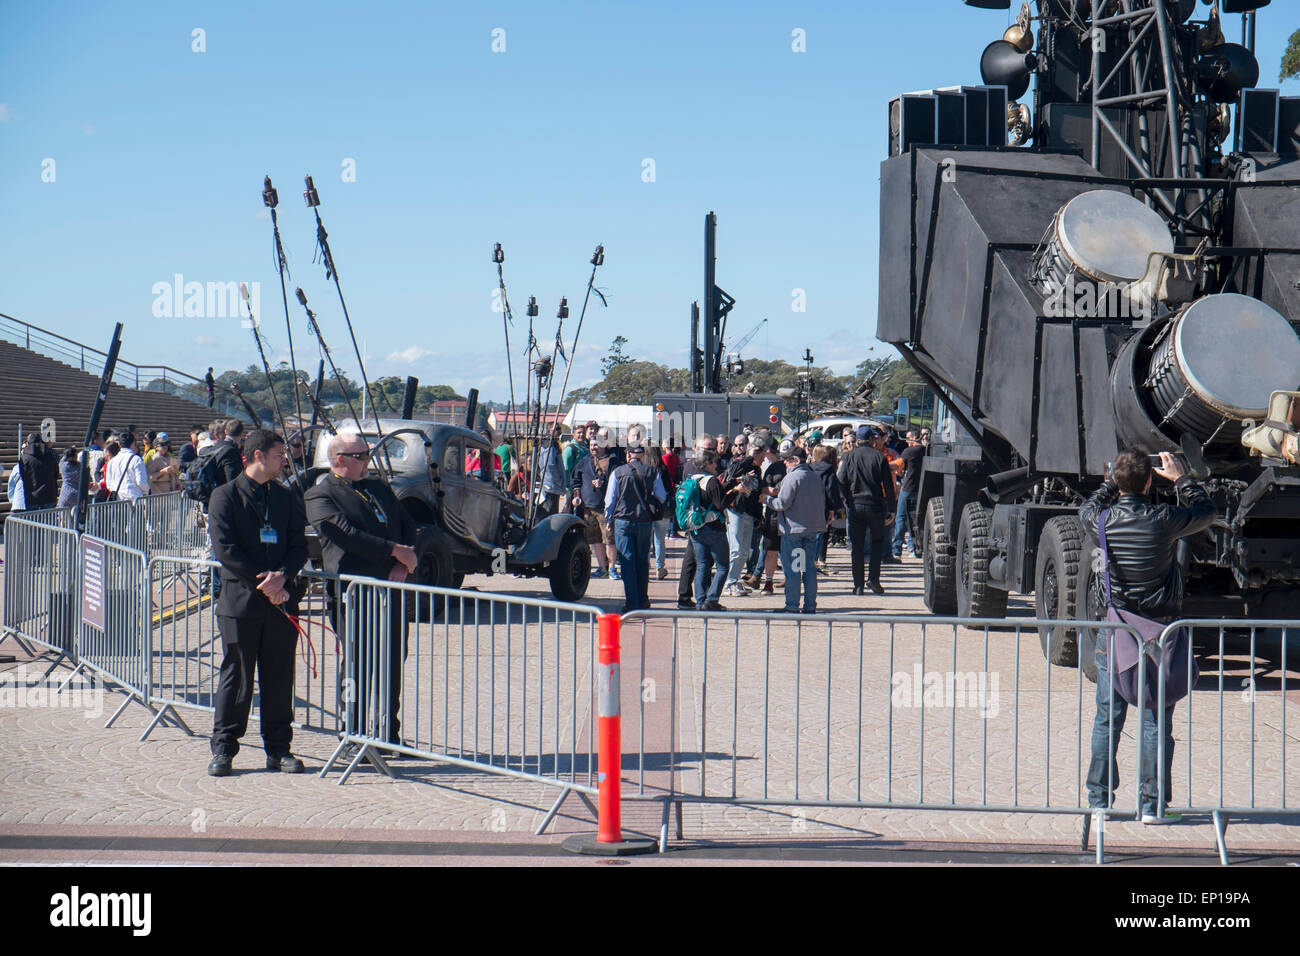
[1124,273]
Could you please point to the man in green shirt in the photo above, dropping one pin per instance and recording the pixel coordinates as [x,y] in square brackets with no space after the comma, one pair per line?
[506,452]
[574,452]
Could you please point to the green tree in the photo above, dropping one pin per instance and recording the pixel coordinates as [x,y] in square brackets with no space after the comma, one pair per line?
[1290,59]
[616,356]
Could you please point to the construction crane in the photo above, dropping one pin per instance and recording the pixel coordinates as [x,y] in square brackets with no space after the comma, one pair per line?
[734,364]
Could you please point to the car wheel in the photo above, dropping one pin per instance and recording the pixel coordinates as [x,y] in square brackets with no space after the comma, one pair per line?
[939,570]
[571,570]
[1056,588]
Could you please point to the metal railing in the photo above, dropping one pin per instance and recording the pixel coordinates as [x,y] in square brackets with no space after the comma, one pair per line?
[1249,774]
[111,641]
[87,358]
[171,523]
[186,649]
[41,585]
[903,712]
[484,681]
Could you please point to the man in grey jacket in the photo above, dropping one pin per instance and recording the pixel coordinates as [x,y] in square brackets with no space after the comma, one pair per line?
[801,504]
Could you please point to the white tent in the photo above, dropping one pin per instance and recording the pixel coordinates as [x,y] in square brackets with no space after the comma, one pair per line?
[617,417]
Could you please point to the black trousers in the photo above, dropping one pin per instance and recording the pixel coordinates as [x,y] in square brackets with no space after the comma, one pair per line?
[866,518]
[686,580]
[370,670]
[266,645]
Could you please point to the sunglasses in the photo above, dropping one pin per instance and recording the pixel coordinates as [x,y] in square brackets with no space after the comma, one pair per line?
[355,455]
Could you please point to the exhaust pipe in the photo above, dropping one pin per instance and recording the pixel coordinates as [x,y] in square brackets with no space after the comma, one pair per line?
[1007,484]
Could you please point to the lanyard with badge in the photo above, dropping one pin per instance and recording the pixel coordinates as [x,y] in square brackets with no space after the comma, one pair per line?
[268,534]
[371,500]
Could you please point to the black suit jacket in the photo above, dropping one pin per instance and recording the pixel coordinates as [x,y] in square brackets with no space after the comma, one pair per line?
[230,463]
[353,539]
[236,513]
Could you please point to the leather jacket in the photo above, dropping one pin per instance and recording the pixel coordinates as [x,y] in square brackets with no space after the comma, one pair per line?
[1141,540]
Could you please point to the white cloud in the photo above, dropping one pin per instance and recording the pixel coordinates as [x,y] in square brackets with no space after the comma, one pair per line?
[87,129]
[410,355]
[204,341]
[6,113]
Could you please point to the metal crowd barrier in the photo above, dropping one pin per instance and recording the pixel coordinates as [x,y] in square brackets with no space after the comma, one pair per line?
[41,585]
[1249,775]
[114,646]
[489,682]
[55,517]
[171,523]
[859,711]
[186,650]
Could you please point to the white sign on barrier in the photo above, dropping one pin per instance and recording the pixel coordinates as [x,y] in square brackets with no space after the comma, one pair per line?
[92,583]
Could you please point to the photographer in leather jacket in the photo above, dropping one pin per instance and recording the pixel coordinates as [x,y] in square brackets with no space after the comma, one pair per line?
[1145,579]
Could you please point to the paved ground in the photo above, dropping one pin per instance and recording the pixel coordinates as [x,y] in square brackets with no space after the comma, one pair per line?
[825,711]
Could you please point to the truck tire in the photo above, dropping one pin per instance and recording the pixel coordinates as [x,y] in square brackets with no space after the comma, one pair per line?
[976,597]
[571,570]
[939,562]
[1056,587]
[1092,606]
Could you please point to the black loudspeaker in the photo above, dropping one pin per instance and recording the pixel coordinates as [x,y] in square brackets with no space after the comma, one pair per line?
[997,115]
[977,115]
[1259,121]
[913,121]
[951,117]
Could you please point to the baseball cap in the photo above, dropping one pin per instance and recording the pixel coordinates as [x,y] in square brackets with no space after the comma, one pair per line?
[865,433]
[815,436]
[162,436]
[786,448]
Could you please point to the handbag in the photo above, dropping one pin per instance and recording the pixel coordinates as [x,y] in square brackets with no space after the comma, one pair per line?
[1178,669]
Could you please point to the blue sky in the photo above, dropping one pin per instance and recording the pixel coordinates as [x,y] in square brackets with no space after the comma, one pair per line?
[160,151]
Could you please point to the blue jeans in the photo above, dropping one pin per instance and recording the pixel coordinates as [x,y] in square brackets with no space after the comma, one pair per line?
[710,544]
[901,521]
[803,548]
[632,540]
[1107,727]
[659,530]
[740,534]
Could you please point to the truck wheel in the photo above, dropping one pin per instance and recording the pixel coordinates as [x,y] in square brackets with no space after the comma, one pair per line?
[571,569]
[434,568]
[1092,606]
[939,563]
[976,597]
[1056,587]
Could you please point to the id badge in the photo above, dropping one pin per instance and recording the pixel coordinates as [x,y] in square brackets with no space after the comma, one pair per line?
[268,535]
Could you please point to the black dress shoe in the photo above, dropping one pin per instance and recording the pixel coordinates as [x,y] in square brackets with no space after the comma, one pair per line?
[285,763]
[686,604]
[859,591]
[220,766]
[875,587]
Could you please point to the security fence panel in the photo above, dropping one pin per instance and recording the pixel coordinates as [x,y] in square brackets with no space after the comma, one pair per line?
[486,681]
[41,583]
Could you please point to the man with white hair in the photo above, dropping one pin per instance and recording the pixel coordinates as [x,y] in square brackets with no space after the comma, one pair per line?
[365,531]
[635,497]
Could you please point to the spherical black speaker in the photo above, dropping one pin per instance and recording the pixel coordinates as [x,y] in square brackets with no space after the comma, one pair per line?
[1224,71]
[1003,65]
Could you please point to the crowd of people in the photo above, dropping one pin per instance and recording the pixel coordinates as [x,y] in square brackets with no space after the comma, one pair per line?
[125,464]
[760,501]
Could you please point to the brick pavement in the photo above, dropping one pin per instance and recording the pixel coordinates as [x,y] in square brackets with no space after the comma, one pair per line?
[60,769]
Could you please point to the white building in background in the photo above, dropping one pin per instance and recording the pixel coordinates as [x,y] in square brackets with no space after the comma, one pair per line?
[615,417]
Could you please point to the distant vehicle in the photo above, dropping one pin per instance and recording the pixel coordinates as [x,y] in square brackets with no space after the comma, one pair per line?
[467,523]
[832,427]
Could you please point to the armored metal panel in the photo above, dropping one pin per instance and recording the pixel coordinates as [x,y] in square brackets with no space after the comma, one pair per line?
[1288,127]
[1009,356]
[977,115]
[950,128]
[893,317]
[1056,443]
[1100,442]
[1268,216]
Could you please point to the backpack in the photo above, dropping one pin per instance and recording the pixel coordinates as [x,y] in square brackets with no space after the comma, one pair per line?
[691,513]
[202,476]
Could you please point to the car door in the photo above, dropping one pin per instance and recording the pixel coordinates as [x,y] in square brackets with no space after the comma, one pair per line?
[482,500]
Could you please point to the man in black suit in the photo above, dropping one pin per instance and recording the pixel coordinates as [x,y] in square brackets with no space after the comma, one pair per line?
[257,529]
[365,531]
[227,451]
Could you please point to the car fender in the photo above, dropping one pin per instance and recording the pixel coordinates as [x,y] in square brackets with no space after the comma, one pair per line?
[543,542]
